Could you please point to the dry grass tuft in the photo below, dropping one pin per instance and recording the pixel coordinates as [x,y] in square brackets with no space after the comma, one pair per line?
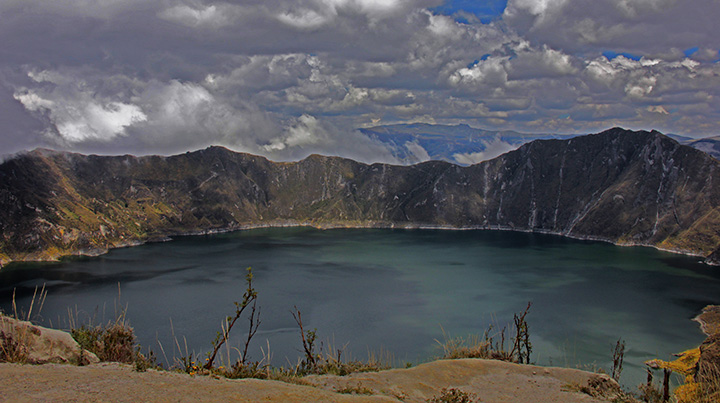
[358,389]
[491,345]
[14,343]
[112,342]
[453,395]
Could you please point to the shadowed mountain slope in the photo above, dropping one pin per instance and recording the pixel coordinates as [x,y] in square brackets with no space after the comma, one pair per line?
[620,186]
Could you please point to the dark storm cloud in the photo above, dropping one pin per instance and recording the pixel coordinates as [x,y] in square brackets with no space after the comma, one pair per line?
[646,27]
[288,78]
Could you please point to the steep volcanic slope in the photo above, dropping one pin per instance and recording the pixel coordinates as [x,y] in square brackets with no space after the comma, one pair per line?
[620,186]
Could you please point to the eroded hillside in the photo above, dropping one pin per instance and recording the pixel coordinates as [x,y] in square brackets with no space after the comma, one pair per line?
[620,186]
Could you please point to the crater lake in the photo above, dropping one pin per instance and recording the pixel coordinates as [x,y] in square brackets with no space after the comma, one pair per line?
[384,291]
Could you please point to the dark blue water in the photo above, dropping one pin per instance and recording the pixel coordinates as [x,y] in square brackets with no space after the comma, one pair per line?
[391,290]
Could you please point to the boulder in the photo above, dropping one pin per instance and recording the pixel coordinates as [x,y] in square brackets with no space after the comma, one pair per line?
[21,341]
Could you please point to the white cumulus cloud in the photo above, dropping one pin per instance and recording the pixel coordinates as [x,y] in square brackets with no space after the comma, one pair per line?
[492,149]
[305,132]
[304,18]
[284,78]
[417,151]
[212,15]
[76,112]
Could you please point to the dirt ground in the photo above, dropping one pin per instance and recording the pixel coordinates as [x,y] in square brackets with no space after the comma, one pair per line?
[489,381]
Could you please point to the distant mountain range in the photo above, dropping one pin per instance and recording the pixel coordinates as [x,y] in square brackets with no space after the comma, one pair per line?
[630,188]
[710,145]
[459,144]
[465,145]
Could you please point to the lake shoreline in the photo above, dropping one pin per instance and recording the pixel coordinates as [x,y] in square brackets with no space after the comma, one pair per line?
[709,320]
[397,281]
[55,257]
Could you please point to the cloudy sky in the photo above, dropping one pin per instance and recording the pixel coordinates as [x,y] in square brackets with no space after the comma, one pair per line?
[286,78]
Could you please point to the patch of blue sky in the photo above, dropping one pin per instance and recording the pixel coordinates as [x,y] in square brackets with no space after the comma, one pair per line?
[485,11]
[476,61]
[689,52]
[611,55]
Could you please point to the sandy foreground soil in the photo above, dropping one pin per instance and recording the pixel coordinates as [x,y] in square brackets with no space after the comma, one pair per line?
[490,381]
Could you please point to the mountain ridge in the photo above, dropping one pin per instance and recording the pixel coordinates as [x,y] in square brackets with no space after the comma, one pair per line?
[465,145]
[620,186]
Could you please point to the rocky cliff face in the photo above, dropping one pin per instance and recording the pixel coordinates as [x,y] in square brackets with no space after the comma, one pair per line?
[620,186]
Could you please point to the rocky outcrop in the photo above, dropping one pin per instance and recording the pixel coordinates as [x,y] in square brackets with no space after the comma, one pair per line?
[633,188]
[21,341]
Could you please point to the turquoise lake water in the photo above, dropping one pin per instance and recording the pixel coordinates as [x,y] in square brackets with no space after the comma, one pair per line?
[392,290]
